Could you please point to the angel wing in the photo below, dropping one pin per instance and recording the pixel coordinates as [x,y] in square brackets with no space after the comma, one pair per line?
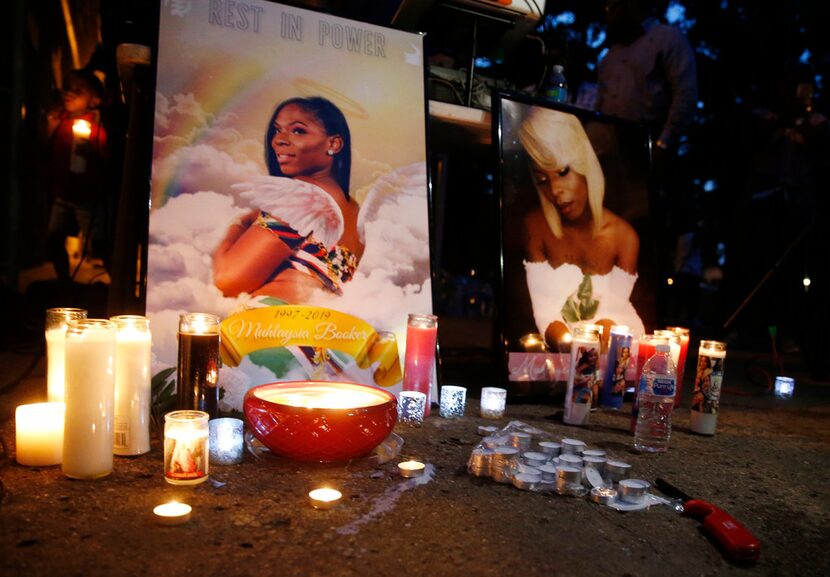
[304,206]
[387,190]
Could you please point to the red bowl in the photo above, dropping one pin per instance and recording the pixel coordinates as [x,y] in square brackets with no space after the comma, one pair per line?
[320,420]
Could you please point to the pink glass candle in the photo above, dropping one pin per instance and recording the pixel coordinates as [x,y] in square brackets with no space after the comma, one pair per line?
[684,334]
[419,365]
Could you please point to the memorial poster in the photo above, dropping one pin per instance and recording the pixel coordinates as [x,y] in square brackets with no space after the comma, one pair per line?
[289,192]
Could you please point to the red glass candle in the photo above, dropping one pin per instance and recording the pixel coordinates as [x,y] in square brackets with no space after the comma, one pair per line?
[419,364]
[684,334]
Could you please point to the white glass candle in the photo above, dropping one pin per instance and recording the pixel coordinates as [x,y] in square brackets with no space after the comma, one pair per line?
[39,434]
[708,382]
[56,320]
[90,395]
[132,385]
[493,400]
[453,400]
[226,441]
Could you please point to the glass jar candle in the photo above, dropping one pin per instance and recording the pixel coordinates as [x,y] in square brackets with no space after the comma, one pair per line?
[132,385]
[186,447]
[90,396]
[56,322]
[583,376]
[708,382]
[199,363]
[419,360]
[493,401]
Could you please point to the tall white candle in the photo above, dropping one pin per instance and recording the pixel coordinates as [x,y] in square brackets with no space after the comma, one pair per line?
[131,422]
[39,434]
[56,320]
[90,393]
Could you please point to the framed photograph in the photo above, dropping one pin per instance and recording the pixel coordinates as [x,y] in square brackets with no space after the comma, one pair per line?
[577,246]
[289,192]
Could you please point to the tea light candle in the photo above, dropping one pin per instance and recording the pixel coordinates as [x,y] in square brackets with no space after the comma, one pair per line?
[39,434]
[226,441]
[520,440]
[56,321]
[419,360]
[572,446]
[616,470]
[411,408]
[409,469]
[526,481]
[172,513]
[534,458]
[486,430]
[323,499]
[493,400]
[633,490]
[453,400]
[550,448]
[603,495]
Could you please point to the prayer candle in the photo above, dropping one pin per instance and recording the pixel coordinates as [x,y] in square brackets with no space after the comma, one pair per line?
[90,395]
[132,385]
[419,365]
[56,320]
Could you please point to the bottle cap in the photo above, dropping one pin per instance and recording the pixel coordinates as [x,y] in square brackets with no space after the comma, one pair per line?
[662,348]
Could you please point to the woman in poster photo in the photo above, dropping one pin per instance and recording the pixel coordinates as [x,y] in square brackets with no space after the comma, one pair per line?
[580,258]
[303,235]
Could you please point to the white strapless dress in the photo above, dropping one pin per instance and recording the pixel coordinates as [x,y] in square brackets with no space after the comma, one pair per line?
[555,295]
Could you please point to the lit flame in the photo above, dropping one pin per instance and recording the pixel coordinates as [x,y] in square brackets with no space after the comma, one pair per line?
[81,128]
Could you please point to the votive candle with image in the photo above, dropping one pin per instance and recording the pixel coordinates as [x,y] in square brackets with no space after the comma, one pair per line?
[684,335]
[708,384]
[186,447]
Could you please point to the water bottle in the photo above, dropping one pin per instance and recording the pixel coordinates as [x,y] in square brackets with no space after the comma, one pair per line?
[656,396]
[555,88]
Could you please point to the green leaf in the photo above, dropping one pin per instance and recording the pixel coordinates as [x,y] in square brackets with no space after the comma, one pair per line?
[570,311]
[586,289]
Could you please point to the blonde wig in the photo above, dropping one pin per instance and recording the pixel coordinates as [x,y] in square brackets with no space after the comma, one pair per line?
[554,140]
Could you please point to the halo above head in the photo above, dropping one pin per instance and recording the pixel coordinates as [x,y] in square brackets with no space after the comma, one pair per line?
[352,109]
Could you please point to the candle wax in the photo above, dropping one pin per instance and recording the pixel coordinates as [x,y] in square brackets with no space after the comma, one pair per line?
[39,434]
